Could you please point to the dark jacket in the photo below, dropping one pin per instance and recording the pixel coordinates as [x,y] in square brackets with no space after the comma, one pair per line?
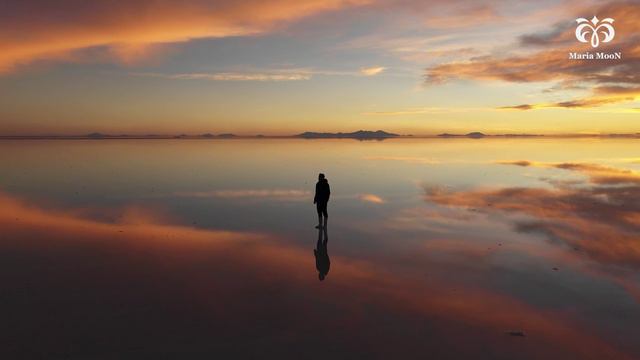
[322,192]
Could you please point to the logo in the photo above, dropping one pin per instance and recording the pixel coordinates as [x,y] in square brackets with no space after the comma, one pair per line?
[596,28]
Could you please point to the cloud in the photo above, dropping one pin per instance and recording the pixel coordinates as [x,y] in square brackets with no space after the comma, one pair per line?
[133,31]
[137,30]
[428,110]
[371,71]
[408,159]
[579,103]
[371,198]
[517,107]
[463,15]
[523,163]
[298,74]
[277,194]
[281,75]
[410,48]
[559,34]
[612,81]
[59,30]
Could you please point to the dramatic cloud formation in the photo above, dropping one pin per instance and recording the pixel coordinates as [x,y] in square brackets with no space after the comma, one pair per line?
[73,30]
[307,47]
[130,30]
[611,81]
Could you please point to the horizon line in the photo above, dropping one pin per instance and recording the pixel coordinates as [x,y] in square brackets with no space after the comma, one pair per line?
[227,135]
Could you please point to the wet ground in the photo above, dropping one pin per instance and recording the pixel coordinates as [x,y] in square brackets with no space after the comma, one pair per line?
[435,248]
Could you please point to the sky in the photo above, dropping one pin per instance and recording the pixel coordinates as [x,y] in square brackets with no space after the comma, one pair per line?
[283,66]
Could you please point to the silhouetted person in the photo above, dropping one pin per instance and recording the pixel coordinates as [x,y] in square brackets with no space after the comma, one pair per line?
[322,254]
[321,199]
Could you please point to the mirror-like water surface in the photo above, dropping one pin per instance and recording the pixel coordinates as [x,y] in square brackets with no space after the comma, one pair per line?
[435,248]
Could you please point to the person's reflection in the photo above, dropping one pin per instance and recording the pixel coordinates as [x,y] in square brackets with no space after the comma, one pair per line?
[322,254]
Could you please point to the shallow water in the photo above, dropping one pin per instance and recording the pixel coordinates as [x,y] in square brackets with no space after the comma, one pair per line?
[439,248]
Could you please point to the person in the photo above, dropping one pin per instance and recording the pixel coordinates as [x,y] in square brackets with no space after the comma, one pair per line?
[321,253]
[321,199]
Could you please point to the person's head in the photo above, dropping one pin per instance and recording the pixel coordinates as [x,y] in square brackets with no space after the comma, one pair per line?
[321,176]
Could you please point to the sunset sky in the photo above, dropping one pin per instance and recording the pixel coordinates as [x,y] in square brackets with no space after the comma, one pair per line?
[287,66]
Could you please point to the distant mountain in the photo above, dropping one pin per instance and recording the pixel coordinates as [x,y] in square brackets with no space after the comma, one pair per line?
[226,136]
[624,135]
[360,134]
[473,135]
[446,135]
[207,135]
[96,135]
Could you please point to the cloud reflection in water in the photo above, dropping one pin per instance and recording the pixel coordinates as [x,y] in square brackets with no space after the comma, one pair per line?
[78,287]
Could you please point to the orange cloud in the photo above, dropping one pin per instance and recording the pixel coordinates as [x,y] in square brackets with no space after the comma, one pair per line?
[579,103]
[57,30]
[371,71]
[371,198]
[611,81]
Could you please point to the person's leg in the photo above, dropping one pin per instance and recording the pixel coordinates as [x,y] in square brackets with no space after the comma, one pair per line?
[326,215]
[319,209]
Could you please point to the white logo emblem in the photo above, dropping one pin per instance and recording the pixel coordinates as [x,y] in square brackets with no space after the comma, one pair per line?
[599,27]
